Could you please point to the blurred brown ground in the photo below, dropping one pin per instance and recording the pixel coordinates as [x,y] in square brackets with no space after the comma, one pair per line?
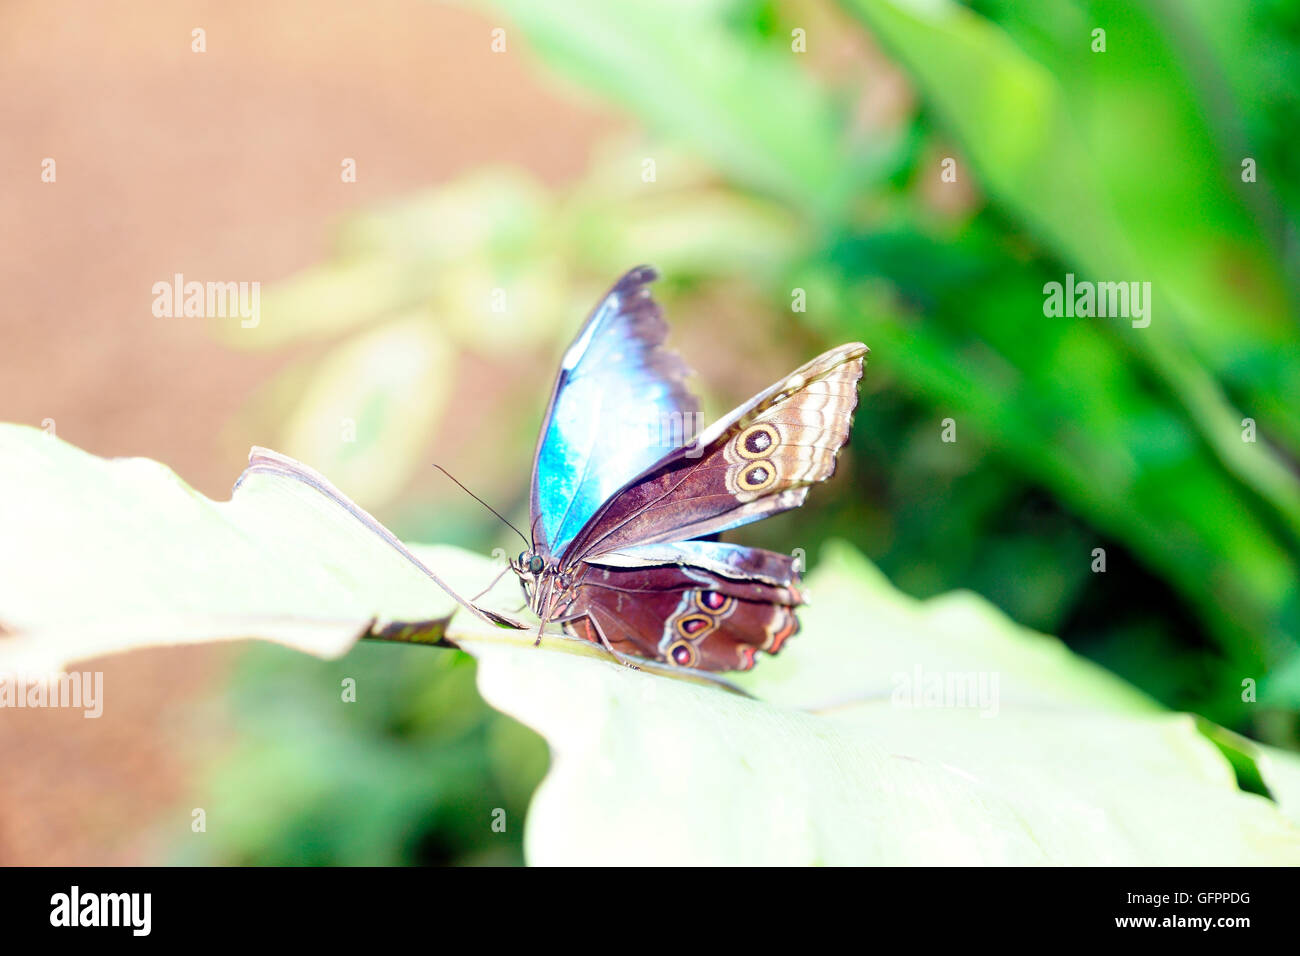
[221,165]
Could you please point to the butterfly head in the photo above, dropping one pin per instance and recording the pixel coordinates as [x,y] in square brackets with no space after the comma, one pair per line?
[548,588]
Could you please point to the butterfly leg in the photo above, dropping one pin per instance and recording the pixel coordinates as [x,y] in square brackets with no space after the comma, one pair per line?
[604,641]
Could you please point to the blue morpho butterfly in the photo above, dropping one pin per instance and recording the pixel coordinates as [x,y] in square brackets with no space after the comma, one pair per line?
[623,496]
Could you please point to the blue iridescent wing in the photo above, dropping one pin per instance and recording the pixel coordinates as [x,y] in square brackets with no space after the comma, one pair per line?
[620,404]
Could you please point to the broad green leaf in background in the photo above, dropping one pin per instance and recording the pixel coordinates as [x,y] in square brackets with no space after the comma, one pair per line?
[1052,761]
[1049,127]
[751,112]
[1045,127]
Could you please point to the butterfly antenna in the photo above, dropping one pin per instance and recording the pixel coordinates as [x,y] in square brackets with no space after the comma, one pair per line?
[483,503]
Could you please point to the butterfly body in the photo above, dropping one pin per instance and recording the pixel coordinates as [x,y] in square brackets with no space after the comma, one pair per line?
[621,495]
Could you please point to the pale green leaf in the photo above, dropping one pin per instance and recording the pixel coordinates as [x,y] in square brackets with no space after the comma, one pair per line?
[1055,763]
[99,556]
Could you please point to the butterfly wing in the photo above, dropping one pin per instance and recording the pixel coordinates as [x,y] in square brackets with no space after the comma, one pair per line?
[704,605]
[620,404]
[757,461]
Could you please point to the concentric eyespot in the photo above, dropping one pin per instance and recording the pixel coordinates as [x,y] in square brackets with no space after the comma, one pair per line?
[712,601]
[692,625]
[683,654]
[757,441]
[757,477]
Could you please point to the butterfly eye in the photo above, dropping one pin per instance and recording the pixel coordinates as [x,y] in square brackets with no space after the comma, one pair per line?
[522,559]
[535,564]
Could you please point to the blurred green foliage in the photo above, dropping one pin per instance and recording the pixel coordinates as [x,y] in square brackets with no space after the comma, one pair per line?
[820,171]
[416,771]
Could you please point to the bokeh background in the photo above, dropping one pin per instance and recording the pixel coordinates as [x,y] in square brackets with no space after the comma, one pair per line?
[782,164]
